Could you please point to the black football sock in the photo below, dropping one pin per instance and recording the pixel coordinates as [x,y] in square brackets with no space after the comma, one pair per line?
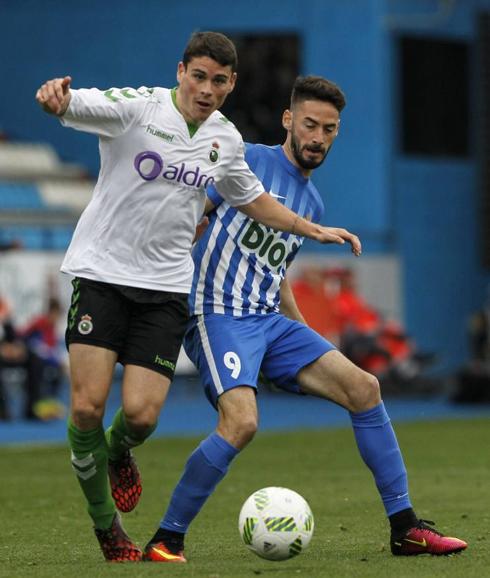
[173,540]
[402,521]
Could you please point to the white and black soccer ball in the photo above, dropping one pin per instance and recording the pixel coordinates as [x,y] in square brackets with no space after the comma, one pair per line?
[276,523]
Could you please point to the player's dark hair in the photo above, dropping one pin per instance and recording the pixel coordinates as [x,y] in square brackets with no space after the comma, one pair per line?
[317,88]
[214,45]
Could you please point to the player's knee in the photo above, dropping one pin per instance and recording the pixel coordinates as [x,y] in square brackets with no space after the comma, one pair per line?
[86,414]
[239,430]
[366,393]
[247,428]
[140,423]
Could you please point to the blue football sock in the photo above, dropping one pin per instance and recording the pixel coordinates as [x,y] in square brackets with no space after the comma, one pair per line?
[379,449]
[206,467]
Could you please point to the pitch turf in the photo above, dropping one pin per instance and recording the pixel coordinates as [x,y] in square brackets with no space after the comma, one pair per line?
[45,531]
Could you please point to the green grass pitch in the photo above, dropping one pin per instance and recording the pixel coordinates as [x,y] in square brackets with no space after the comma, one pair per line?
[45,531]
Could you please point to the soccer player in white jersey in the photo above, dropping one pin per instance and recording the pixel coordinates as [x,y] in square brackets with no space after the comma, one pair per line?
[245,319]
[130,256]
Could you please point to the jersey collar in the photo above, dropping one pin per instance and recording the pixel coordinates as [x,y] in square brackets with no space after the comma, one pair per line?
[191,126]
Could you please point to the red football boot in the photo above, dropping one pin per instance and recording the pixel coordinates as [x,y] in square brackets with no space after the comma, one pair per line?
[125,482]
[158,552]
[116,545]
[423,539]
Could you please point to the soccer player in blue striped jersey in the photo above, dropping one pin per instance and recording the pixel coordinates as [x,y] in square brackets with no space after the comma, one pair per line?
[240,264]
[245,320]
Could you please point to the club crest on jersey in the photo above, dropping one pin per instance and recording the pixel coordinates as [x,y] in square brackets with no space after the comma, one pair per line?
[150,165]
[214,152]
[85,326]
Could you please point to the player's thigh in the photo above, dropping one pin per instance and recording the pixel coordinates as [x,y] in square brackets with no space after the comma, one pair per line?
[227,351]
[333,376]
[143,394]
[155,334]
[98,315]
[291,346]
[91,372]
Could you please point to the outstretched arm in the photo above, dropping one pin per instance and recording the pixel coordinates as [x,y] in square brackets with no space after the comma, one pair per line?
[54,95]
[266,210]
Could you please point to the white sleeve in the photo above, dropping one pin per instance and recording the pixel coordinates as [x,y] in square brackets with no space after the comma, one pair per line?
[105,113]
[239,186]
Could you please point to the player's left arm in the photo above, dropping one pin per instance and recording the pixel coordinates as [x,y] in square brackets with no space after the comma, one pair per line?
[288,305]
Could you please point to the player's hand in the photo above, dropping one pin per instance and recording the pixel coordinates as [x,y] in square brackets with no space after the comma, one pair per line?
[54,95]
[339,236]
[201,227]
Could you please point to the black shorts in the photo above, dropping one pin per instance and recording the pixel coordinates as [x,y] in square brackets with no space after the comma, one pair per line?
[144,327]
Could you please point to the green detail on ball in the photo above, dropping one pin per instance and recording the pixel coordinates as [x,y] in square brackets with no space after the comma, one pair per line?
[309,523]
[248,529]
[261,500]
[296,547]
[281,524]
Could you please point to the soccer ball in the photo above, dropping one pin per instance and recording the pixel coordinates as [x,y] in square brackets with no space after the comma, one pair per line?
[276,523]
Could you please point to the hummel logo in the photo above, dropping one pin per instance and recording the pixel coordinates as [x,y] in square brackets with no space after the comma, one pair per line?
[275,195]
[159,133]
[423,543]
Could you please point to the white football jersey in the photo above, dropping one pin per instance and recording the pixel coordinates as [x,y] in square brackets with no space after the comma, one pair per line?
[138,228]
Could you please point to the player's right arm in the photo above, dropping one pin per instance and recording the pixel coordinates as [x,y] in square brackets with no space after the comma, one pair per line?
[106,113]
[266,210]
[242,190]
[54,95]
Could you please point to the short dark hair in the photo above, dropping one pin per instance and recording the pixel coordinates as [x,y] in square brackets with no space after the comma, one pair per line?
[214,45]
[317,88]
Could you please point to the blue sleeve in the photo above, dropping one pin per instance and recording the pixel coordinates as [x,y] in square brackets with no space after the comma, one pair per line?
[214,196]
[251,155]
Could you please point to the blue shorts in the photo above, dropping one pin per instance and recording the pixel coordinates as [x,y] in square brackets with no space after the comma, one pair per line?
[230,351]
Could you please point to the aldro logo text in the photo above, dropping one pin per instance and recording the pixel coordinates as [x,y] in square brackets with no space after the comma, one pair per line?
[150,165]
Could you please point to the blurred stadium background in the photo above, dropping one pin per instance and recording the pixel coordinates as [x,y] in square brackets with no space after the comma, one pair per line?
[410,173]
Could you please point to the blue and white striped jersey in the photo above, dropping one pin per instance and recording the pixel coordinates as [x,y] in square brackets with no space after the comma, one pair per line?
[239,263]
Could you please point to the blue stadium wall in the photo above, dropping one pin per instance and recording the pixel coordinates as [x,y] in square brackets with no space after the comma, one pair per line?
[424,210]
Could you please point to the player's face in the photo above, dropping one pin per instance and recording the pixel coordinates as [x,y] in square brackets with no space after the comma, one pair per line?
[204,85]
[312,127]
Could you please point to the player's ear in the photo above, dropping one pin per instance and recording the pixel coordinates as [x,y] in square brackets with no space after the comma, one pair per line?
[287,119]
[232,82]
[180,71]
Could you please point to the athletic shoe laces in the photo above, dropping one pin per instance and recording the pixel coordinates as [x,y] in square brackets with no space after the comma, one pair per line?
[426,525]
